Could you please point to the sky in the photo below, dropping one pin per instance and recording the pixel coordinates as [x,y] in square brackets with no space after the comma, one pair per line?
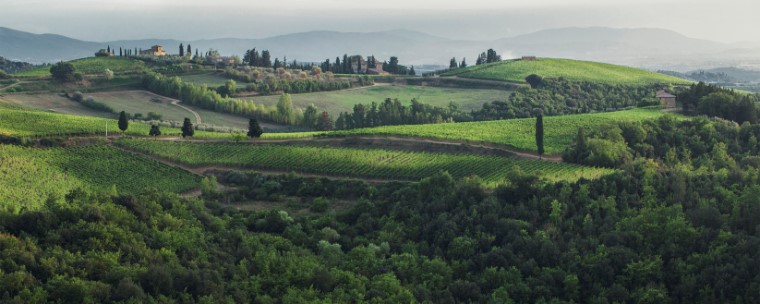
[725,21]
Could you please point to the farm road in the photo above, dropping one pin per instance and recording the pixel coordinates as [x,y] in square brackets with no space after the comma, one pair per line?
[176,102]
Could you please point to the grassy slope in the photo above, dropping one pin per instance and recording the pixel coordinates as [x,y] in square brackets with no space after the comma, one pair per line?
[143,102]
[36,123]
[210,79]
[29,176]
[92,65]
[25,122]
[516,133]
[335,102]
[354,162]
[517,70]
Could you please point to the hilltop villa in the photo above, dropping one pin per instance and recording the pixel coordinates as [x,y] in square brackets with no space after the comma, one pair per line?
[155,50]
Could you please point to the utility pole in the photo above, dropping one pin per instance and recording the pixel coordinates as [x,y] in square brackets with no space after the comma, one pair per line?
[106,130]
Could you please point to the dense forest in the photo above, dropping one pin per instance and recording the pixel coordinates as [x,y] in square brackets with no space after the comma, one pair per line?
[560,97]
[10,67]
[715,101]
[653,233]
[393,112]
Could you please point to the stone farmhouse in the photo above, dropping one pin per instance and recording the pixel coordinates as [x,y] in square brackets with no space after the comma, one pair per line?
[667,100]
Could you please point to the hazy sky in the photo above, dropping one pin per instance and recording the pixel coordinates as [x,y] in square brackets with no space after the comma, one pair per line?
[104,20]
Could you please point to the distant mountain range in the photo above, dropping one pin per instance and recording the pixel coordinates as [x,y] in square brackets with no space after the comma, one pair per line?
[647,48]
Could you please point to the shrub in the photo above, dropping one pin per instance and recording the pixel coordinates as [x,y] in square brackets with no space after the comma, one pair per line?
[320,205]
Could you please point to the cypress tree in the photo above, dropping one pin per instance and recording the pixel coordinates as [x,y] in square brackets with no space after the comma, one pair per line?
[189,50]
[581,149]
[254,129]
[123,122]
[346,65]
[453,63]
[464,63]
[187,128]
[540,134]
[181,50]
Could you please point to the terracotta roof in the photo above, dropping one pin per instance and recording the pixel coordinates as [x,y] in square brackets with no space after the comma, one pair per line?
[663,94]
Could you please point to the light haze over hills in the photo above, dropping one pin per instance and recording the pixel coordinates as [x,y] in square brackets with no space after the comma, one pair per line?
[648,48]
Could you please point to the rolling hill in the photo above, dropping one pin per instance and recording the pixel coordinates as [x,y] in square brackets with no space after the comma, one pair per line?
[92,65]
[650,48]
[517,70]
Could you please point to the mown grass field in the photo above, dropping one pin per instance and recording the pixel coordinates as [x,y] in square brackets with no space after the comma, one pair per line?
[335,102]
[355,162]
[29,176]
[517,70]
[210,79]
[51,102]
[92,66]
[144,102]
[559,131]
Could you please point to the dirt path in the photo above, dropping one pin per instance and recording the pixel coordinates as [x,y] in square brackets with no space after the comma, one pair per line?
[376,84]
[197,116]
[13,85]
[175,102]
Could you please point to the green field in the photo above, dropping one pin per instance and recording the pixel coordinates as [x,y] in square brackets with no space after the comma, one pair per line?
[353,162]
[144,102]
[335,102]
[517,70]
[559,131]
[210,79]
[29,175]
[51,102]
[30,123]
[92,66]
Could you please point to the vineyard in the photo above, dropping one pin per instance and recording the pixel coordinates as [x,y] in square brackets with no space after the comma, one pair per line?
[29,123]
[27,180]
[517,70]
[353,162]
[29,175]
[559,131]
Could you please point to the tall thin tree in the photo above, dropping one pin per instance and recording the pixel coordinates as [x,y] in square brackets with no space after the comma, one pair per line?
[181,50]
[540,134]
[123,122]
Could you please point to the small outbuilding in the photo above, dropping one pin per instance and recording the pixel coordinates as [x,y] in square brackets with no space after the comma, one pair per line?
[667,100]
[528,58]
